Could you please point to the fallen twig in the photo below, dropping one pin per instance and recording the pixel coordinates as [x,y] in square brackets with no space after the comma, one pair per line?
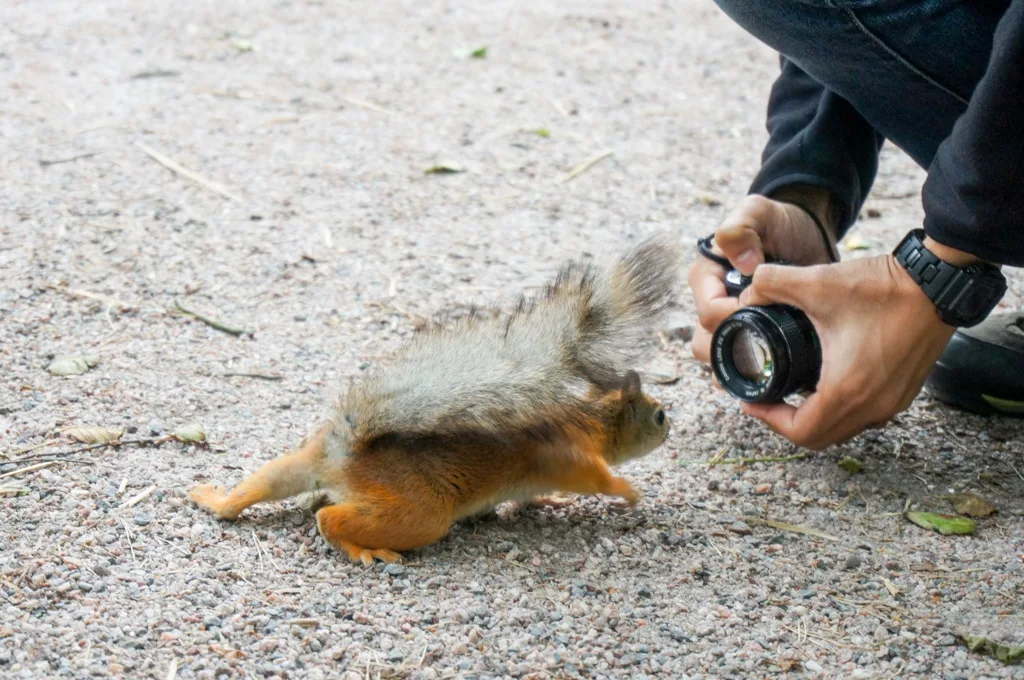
[258,376]
[172,670]
[128,534]
[142,441]
[26,449]
[211,322]
[57,161]
[137,498]
[745,461]
[305,623]
[30,468]
[176,167]
[795,528]
[369,105]
[1017,471]
[586,165]
[109,301]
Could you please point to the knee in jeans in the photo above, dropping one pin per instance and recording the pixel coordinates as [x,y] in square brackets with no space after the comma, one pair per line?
[762,19]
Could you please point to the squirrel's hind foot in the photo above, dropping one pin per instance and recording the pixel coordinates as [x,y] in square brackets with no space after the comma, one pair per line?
[366,555]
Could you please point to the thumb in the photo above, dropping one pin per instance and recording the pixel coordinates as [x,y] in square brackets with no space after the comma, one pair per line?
[785,284]
[740,236]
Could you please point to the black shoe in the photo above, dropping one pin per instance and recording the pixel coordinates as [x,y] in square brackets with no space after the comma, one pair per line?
[982,369]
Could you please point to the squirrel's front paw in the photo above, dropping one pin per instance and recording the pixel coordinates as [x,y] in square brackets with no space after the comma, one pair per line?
[212,499]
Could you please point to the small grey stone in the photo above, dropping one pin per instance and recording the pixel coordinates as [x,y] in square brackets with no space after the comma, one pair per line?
[156,427]
[395,569]
[813,666]
[713,485]
[945,641]
[142,519]
[212,622]
[853,562]
[740,528]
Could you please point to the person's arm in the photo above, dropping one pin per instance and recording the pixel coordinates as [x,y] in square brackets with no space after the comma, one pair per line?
[974,195]
[817,139]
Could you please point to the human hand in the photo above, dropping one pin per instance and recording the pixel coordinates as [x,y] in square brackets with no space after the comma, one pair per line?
[880,336]
[757,226]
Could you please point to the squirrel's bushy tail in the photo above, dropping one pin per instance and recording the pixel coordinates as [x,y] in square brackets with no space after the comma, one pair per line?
[616,306]
[494,371]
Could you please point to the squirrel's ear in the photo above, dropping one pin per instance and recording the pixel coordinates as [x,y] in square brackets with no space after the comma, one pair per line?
[631,386]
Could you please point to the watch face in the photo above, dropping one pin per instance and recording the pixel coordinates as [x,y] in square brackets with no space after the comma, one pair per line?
[978,297]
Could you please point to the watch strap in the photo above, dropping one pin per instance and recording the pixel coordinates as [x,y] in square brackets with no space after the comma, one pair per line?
[947,285]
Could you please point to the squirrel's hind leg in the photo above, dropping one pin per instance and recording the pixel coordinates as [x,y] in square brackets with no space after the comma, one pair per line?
[381,528]
[281,478]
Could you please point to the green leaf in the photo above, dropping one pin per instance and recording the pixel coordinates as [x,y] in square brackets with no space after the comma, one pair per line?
[193,432]
[466,53]
[72,365]
[944,524]
[850,464]
[444,169]
[971,504]
[1008,654]
[542,132]
[856,242]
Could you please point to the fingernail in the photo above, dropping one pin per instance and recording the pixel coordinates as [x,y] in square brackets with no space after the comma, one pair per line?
[747,261]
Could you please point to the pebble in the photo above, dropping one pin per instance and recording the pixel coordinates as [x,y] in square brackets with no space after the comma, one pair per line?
[395,569]
[142,519]
[853,562]
[741,528]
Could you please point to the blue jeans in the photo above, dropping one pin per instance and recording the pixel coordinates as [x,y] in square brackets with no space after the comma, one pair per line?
[856,73]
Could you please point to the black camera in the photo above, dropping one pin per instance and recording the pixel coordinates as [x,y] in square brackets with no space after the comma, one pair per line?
[764,354]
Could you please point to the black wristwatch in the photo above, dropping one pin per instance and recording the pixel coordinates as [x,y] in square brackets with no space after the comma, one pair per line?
[963,296]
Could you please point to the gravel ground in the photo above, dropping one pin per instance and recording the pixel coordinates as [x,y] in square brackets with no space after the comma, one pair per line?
[319,121]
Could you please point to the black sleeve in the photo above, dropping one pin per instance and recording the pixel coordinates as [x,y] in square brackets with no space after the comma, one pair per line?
[817,138]
[974,194]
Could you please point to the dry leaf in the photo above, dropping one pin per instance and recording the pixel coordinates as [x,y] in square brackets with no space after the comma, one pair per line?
[93,435]
[193,432]
[971,504]
[944,524]
[72,365]
[891,587]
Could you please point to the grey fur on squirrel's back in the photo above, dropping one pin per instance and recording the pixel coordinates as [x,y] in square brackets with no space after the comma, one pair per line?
[487,371]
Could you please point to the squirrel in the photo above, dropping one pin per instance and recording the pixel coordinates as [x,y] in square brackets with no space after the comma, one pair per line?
[478,410]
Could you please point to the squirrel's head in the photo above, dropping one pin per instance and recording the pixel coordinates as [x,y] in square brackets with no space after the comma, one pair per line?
[641,424]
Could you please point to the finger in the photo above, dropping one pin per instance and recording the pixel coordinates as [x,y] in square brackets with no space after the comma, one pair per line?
[709,294]
[812,425]
[741,235]
[700,346]
[788,285]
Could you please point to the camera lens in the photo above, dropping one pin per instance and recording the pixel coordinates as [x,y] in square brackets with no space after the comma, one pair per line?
[764,354]
[752,356]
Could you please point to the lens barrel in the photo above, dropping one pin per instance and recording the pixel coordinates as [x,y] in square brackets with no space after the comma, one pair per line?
[787,338]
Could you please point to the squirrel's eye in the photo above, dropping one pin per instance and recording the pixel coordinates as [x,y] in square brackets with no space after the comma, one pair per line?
[660,417]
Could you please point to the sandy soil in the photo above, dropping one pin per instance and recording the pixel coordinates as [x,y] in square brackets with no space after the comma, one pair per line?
[323,235]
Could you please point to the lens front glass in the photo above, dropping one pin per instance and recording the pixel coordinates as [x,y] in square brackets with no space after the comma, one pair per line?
[752,356]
